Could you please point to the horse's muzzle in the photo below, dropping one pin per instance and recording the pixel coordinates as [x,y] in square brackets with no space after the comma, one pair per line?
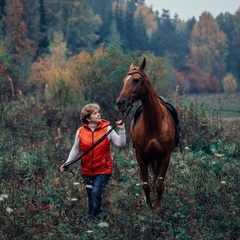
[123,104]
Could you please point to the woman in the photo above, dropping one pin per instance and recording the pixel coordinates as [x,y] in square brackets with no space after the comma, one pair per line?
[97,164]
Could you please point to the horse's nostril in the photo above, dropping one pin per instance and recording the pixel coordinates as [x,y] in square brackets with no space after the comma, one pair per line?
[121,102]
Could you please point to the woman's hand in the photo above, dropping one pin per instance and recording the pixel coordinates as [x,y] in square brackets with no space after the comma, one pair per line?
[120,124]
[63,168]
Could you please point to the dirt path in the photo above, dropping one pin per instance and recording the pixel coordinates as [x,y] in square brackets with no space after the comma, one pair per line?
[231,119]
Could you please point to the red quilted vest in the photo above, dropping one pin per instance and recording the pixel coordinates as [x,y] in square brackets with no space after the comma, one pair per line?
[98,161]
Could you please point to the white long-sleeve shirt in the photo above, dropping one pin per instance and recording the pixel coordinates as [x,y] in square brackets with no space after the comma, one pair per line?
[119,140]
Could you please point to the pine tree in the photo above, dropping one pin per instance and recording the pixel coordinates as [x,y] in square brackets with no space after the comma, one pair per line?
[16,28]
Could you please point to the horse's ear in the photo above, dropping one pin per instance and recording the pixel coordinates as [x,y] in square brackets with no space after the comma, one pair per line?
[132,65]
[143,65]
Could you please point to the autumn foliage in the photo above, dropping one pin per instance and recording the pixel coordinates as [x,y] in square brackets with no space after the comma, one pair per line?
[208,47]
[229,83]
[192,79]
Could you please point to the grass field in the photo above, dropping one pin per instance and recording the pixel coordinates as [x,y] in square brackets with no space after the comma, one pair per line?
[222,105]
[201,198]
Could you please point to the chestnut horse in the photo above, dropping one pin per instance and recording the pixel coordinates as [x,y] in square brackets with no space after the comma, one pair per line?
[153,135]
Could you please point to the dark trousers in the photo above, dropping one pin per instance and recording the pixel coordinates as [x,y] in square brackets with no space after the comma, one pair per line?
[94,186]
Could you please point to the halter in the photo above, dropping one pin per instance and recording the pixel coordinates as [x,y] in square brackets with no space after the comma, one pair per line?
[142,73]
[143,81]
[130,101]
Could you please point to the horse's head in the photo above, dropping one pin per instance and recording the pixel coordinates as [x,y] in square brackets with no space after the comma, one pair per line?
[134,87]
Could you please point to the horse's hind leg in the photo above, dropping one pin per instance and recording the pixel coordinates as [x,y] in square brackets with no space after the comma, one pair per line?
[159,190]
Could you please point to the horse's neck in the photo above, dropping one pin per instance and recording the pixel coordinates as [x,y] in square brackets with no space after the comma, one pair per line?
[151,109]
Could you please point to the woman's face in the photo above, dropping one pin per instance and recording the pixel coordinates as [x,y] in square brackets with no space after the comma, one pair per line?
[95,117]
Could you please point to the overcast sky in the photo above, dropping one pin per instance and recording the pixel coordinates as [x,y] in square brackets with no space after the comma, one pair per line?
[186,9]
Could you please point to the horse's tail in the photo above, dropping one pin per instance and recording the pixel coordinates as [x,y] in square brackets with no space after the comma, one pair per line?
[152,166]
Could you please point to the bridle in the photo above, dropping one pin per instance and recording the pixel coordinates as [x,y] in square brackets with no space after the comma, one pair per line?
[143,81]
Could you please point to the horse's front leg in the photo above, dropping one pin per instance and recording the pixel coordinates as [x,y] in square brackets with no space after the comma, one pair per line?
[144,177]
[160,181]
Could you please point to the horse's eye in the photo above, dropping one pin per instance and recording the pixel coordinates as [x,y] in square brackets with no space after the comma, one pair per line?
[135,81]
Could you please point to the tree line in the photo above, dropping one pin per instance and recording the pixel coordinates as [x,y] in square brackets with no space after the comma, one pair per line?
[61,48]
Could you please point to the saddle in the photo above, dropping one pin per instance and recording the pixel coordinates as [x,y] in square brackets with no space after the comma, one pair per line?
[172,113]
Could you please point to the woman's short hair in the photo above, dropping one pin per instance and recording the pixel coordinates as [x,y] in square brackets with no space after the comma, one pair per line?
[87,111]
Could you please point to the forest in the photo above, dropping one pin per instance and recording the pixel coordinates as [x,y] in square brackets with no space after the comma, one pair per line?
[56,56]
[33,32]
